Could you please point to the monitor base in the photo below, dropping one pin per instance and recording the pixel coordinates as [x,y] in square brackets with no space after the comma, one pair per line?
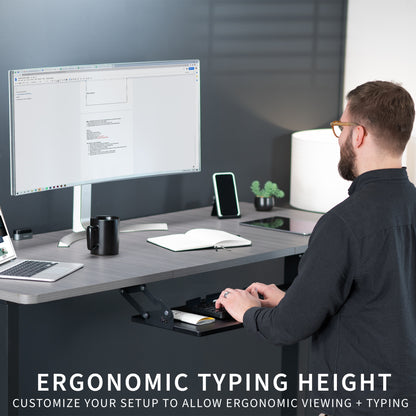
[68,239]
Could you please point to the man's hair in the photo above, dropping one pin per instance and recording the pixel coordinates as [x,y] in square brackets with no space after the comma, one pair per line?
[386,110]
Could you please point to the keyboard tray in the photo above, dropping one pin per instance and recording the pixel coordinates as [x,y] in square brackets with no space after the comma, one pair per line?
[159,315]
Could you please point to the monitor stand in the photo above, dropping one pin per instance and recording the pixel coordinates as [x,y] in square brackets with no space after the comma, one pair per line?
[81,218]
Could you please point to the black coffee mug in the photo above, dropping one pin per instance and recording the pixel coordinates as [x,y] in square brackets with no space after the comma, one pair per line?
[102,235]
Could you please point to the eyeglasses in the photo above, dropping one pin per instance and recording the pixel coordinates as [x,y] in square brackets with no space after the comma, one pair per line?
[337,126]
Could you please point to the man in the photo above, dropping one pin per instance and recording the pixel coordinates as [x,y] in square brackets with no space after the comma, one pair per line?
[355,292]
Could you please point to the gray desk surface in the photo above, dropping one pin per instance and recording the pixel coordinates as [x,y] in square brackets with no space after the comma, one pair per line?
[140,262]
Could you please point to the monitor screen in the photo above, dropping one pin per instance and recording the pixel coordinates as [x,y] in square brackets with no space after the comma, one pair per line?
[75,125]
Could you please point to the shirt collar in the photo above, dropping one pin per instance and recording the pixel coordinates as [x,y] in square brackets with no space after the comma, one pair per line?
[377,175]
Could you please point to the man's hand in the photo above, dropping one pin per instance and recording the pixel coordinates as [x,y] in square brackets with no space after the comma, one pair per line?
[237,302]
[272,295]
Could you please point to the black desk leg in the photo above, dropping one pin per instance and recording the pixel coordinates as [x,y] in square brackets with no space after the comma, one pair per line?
[290,354]
[291,268]
[9,355]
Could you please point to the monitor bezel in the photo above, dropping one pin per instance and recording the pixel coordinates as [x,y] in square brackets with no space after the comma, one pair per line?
[94,67]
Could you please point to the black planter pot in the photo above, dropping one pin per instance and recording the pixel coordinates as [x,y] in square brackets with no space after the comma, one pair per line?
[263,203]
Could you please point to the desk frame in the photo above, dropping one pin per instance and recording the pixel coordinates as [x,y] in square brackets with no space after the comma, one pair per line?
[98,274]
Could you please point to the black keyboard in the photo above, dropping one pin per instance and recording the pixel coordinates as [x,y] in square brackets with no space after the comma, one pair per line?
[206,306]
[28,268]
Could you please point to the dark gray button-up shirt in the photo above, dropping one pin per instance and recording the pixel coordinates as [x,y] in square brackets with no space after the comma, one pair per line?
[355,294]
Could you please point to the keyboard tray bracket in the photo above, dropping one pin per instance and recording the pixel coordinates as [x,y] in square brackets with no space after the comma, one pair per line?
[151,310]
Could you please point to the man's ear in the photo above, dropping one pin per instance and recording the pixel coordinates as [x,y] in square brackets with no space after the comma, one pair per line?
[358,137]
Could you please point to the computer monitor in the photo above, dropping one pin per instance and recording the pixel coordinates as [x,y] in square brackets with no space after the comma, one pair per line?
[73,126]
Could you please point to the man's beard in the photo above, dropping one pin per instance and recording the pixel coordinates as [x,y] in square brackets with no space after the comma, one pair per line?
[346,164]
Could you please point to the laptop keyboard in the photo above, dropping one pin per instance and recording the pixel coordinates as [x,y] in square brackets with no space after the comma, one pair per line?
[28,268]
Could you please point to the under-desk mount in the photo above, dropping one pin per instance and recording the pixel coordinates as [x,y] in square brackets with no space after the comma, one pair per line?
[154,312]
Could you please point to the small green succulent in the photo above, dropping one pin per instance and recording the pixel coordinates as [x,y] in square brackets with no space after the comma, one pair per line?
[270,189]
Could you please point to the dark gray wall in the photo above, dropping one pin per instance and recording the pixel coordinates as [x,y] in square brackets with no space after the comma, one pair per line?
[268,67]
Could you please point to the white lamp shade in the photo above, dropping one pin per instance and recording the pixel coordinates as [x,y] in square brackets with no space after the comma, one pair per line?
[315,184]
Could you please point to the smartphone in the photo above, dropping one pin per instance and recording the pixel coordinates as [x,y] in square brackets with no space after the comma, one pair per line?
[226,197]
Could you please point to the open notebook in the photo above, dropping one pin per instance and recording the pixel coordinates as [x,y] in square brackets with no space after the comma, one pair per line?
[199,238]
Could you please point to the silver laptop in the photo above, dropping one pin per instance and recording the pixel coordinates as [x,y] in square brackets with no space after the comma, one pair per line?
[37,270]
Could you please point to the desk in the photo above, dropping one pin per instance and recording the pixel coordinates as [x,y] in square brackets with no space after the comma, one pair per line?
[138,263]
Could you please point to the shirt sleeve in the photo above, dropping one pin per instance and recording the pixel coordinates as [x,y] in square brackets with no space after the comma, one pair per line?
[323,283]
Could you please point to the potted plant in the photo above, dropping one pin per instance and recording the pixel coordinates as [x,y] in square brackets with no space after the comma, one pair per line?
[265,197]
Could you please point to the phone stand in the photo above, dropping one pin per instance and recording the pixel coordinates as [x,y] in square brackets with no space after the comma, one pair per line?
[214,213]
[214,209]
